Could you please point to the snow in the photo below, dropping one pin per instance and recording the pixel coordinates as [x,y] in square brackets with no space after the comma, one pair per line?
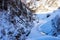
[9,31]
[44,30]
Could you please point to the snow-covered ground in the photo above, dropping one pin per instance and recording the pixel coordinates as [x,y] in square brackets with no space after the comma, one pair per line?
[44,30]
[44,27]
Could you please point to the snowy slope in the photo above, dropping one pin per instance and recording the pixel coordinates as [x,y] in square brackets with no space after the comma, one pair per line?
[45,30]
